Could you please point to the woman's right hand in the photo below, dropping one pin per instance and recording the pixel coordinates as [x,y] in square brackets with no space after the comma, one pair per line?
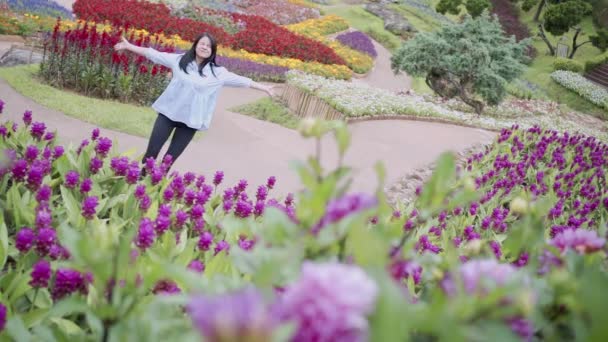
[122,45]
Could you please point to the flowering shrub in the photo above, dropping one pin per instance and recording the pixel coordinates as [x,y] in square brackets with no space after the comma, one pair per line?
[580,85]
[320,27]
[280,12]
[317,29]
[88,241]
[259,34]
[356,100]
[84,59]
[40,7]
[508,16]
[359,41]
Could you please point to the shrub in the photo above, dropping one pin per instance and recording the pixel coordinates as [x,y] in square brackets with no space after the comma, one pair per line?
[567,65]
[596,61]
[588,90]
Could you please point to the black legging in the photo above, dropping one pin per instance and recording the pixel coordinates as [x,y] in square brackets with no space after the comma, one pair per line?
[160,133]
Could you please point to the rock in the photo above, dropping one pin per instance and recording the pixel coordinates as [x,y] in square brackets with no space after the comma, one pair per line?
[393,22]
[18,55]
[404,189]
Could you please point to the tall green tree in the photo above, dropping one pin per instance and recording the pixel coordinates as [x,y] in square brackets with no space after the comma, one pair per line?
[473,7]
[472,60]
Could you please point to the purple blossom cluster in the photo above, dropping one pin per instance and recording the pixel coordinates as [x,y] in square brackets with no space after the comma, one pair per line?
[339,208]
[329,302]
[359,41]
[541,164]
[264,72]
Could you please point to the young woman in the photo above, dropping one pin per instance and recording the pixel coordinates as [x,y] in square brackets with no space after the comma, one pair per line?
[188,102]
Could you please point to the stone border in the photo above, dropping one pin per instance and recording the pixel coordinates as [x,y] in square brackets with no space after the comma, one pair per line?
[304,104]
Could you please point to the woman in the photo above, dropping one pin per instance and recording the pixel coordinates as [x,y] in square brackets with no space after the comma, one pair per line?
[188,102]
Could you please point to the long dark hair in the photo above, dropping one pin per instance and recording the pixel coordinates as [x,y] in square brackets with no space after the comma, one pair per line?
[190,55]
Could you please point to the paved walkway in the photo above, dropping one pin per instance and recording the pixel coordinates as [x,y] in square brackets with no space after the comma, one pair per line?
[244,147]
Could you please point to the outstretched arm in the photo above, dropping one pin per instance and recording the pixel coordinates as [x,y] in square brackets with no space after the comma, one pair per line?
[268,89]
[163,58]
[125,45]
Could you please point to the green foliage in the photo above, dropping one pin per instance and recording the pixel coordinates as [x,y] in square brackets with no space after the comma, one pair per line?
[269,110]
[596,61]
[527,5]
[560,18]
[568,65]
[475,55]
[449,6]
[600,40]
[476,7]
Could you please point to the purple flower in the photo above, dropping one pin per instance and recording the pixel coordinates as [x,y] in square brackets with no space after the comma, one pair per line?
[262,193]
[19,170]
[86,185]
[35,175]
[477,275]
[218,178]
[196,266]
[245,244]
[166,287]
[496,249]
[162,223]
[45,240]
[31,152]
[259,208]
[58,152]
[68,281]
[24,240]
[46,153]
[243,209]
[339,208]
[140,191]
[358,41]
[238,316]
[37,130]
[27,117]
[180,218]
[96,165]
[329,302]
[168,194]
[145,235]
[145,203]
[189,177]
[2,307]
[197,212]
[403,269]
[1,109]
[89,207]
[581,240]
[119,165]
[43,218]
[49,136]
[522,327]
[41,273]
[95,134]
[271,182]
[58,252]
[221,246]
[44,194]
[71,179]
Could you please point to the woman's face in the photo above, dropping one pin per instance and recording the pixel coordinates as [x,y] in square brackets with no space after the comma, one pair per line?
[203,48]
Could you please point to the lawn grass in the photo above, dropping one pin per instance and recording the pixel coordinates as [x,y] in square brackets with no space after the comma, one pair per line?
[127,118]
[268,110]
[362,20]
[539,71]
[420,21]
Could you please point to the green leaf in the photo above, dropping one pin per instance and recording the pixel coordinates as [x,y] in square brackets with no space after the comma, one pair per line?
[68,327]
[3,241]
[219,264]
[17,330]
[342,135]
[367,247]
[438,186]
[388,322]
[71,205]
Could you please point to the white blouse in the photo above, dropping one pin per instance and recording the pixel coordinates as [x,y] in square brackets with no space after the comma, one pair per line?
[191,98]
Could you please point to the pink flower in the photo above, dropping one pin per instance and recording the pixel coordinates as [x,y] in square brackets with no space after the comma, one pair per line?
[330,302]
[581,240]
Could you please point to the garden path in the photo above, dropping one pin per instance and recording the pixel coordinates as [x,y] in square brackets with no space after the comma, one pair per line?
[244,147]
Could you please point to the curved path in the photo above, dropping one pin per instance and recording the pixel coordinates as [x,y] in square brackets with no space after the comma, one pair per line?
[244,147]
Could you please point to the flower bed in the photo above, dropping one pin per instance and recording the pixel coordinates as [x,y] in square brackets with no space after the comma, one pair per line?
[317,29]
[358,101]
[582,86]
[359,41]
[92,249]
[280,12]
[259,35]
[40,7]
